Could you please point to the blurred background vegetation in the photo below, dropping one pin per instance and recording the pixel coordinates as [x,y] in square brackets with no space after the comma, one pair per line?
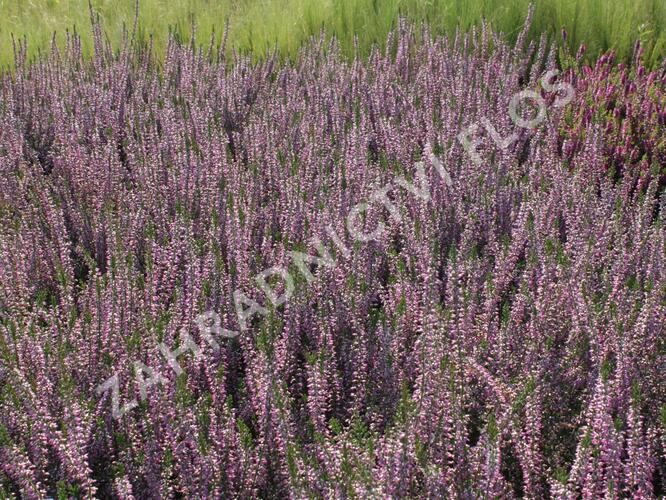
[258,25]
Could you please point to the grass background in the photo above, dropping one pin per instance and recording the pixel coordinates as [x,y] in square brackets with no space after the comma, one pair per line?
[260,24]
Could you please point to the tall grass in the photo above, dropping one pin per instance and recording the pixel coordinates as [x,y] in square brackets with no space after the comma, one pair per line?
[258,25]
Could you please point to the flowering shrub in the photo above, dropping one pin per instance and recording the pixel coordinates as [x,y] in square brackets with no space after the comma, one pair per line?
[500,335]
[628,106]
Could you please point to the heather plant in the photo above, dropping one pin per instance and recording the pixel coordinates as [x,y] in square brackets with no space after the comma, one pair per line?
[627,103]
[502,336]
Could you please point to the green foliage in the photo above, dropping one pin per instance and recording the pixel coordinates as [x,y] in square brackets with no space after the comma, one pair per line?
[246,439]
[260,26]
[66,490]
[492,429]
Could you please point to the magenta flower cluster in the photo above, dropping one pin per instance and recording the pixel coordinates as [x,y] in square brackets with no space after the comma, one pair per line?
[502,337]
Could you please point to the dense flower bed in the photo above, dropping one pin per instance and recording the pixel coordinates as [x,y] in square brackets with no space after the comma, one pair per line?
[487,329]
[628,106]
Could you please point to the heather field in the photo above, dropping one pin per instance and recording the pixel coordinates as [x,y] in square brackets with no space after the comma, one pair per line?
[433,270]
